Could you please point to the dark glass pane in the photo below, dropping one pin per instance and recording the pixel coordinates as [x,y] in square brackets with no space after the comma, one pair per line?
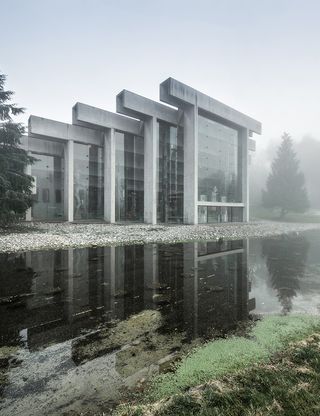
[219,214]
[170,173]
[218,162]
[88,181]
[48,171]
[237,214]
[129,177]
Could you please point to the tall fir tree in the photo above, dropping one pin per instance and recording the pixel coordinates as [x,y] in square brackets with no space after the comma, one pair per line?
[285,188]
[15,184]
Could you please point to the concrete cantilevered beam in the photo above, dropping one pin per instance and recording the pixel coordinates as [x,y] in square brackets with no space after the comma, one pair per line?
[43,128]
[178,94]
[135,105]
[86,115]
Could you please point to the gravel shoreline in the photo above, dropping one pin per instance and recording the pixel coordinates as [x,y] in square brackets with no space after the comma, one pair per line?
[44,236]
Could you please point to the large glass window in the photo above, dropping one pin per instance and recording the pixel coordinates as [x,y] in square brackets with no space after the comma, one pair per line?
[88,181]
[48,171]
[129,177]
[219,214]
[219,162]
[170,173]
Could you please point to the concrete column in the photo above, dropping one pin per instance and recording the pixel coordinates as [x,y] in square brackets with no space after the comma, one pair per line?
[190,125]
[151,146]
[69,180]
[109,176]
[28,172]
[244,138]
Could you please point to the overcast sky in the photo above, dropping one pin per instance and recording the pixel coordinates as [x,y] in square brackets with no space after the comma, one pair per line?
[261,57]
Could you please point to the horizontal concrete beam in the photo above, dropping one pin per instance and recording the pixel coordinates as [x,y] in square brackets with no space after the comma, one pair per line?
[135,105]
[86,115]
[178,94]
[39,146]
[44,128]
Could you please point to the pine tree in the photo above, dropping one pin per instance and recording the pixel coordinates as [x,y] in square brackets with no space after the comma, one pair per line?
[15,184]
[285,188]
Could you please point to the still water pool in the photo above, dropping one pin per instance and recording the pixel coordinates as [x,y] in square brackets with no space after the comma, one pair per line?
[79,327]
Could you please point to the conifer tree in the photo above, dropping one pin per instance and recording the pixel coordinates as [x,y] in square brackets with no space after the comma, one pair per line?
[15,184]
[285,188]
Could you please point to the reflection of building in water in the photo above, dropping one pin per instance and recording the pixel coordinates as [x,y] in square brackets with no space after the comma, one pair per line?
[59,293]
[217,287]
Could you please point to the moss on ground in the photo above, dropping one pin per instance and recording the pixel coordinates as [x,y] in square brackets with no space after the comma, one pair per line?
[272,372]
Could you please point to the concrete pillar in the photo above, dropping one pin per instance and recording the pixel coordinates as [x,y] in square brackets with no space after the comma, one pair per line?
[244,139]
[190,125]
[151,146]
[109,176]
[69,180]
[28,172]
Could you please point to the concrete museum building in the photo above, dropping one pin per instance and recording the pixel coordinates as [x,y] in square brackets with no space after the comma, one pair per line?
[186,162]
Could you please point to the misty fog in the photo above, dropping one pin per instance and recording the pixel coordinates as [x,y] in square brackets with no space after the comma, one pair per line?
[308,152]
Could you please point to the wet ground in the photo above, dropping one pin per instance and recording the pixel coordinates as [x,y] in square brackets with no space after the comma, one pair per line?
[81,327]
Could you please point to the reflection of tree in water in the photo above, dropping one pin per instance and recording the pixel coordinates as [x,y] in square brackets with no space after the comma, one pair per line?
[286,260]
[15,276]
[15,282]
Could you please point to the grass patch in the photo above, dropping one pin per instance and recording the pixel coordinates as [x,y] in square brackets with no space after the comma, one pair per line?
[290,385]
[272,372]
[224,356]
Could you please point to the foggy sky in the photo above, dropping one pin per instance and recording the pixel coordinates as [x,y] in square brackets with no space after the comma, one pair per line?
[260,57]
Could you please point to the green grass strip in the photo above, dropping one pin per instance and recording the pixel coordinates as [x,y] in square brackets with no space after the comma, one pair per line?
[225,356]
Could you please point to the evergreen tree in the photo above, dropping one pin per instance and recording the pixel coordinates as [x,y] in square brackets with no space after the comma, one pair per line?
[285,188]
[15,184]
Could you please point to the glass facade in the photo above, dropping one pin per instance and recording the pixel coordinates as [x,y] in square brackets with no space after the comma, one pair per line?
[219,167]
[219,214]
[48,172]
[170,173]
[88,182]
[219,175]
[129,177]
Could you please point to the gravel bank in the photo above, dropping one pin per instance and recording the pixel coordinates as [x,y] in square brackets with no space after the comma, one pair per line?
[39,236]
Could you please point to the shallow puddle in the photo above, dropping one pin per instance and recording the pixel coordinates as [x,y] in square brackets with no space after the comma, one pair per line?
[79,327]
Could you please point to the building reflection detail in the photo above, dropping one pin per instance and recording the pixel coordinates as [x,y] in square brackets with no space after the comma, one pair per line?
[196,286]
